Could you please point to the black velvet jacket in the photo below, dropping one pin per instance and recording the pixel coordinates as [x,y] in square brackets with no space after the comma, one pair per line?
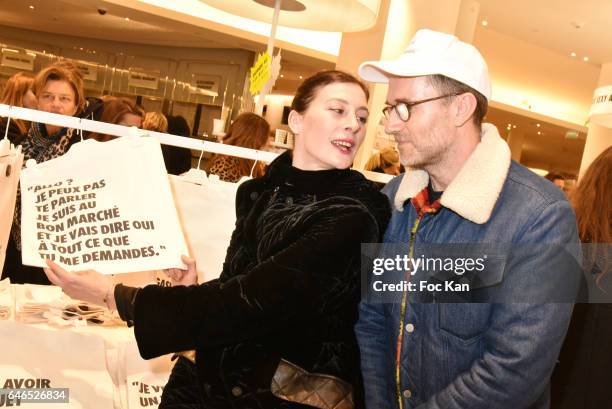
[289,288]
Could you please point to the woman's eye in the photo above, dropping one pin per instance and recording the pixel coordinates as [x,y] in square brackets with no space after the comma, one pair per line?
[362,119]
[339,111]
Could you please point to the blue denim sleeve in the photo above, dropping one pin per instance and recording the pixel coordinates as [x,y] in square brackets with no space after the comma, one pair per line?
[524,339]
[375,357]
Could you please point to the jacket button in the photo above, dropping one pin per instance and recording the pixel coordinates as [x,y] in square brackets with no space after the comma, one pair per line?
[409,327]
[254,196]
[289,201]
[236,391]
[407,394]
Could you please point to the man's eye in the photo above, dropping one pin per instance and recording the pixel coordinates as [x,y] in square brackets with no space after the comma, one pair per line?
[362,119]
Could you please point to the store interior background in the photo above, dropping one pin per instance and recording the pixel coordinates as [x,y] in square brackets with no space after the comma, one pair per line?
[545,58]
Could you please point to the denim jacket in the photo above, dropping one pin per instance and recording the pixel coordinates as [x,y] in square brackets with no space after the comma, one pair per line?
[469,355]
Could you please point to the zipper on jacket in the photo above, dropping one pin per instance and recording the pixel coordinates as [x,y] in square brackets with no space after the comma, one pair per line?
[400,336]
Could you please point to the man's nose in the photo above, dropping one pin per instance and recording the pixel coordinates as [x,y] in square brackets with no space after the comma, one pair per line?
[393,123]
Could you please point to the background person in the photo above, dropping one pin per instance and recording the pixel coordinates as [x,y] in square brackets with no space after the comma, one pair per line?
[582,377]
[386,160]
[248,130]
[176,159]
[155,121]
[118,111]
[17,92]
[58,90]
[557,179]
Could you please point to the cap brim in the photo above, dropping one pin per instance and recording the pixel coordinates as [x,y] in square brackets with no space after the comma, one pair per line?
[380,71]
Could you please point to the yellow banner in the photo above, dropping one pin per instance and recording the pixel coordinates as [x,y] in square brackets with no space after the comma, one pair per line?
[260,72]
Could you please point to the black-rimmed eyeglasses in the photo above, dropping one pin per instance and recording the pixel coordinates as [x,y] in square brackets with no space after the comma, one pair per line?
[402,109]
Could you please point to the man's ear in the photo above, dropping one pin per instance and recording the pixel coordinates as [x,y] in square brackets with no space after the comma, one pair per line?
[465,105]
[295,122]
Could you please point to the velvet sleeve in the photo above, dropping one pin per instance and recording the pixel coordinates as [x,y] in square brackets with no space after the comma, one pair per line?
[125,297]
[284,286]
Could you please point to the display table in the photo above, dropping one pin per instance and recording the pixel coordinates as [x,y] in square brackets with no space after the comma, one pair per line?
[100,365]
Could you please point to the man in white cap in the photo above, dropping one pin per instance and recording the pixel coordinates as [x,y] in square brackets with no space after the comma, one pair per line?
[461,186]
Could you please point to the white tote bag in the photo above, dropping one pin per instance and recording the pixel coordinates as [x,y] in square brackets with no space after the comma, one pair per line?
[11,161]
[208,216]
[144,379]
[33,357]
[106,206]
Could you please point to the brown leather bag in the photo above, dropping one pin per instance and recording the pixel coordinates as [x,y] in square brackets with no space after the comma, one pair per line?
[294,384]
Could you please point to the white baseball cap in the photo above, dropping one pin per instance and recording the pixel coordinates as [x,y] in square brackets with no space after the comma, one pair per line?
[431,52]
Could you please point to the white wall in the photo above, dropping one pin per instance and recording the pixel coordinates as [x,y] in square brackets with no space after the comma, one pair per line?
[274,112]
[537,79]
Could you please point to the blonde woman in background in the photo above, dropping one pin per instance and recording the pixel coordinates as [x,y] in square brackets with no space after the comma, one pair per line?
[155,121]
[177,160]
[385,161]
[17,92]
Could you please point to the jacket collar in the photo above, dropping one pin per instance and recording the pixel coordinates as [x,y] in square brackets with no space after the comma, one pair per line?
[474,191]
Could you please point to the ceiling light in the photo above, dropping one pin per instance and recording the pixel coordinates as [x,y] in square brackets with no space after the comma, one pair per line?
[301,77]
[538,125]
[290,5]
[571,134]
[127,19]
[586,58]
[539,133]
[282,75]
[345,15]
[485,23]
[514,126]
[573,54]
[31,7]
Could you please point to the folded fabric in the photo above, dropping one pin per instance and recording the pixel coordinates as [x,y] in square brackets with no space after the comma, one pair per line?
[7,301]
[32,301]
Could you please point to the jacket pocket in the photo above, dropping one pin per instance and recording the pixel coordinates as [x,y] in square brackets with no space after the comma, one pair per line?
[465,323]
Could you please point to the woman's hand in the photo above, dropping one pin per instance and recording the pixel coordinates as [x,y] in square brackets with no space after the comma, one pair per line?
[178,276]
[87,285]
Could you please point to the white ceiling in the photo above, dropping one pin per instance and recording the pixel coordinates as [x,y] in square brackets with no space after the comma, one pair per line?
[546,23]
[80,18]
[551,149]
[552,24]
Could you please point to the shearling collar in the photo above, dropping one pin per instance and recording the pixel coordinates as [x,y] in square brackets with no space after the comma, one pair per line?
[473,192]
